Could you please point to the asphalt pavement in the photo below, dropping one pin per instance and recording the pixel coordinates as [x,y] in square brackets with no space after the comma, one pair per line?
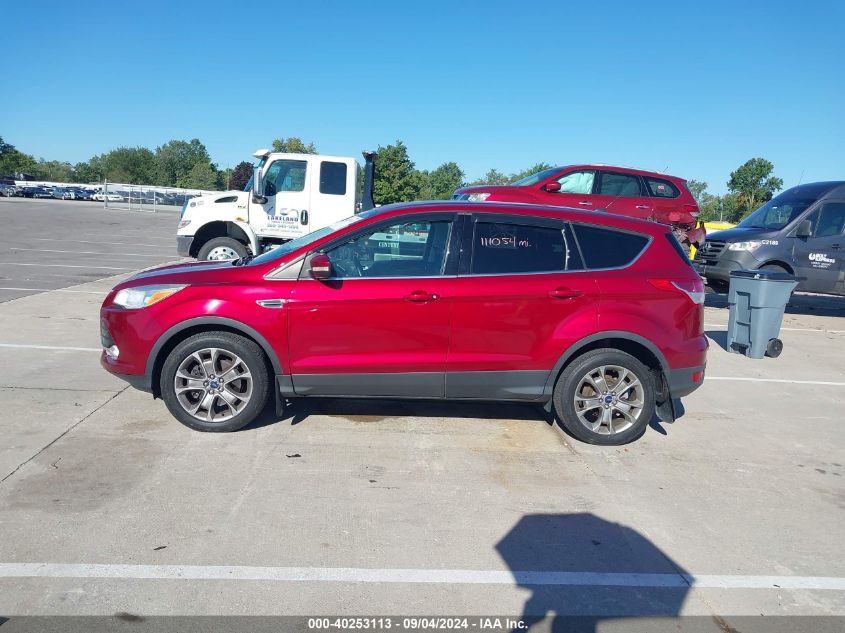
[109,507]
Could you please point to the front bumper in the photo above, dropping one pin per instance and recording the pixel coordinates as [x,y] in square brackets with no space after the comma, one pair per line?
[183,244]
[719,269]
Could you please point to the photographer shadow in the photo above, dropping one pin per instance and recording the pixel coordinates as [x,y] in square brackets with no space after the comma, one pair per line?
[582,570]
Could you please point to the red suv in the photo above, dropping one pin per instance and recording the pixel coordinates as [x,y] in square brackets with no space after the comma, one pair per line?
[632,192]
[596,315]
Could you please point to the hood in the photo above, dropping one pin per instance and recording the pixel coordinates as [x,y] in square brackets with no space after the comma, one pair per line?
[742,234]
[179,269]
[487,189]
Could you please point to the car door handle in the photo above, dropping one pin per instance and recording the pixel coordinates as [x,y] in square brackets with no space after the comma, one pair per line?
[421,296]
[586,204]
[643,206]
[565,293]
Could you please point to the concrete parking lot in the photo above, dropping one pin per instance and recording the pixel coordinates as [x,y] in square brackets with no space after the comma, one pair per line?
[108,505]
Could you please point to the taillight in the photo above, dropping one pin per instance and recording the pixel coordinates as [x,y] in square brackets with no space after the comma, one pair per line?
[692,209]
[692,288]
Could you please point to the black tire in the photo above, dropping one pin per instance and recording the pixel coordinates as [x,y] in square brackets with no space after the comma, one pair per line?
[230,346]
[222,243]
[570,382]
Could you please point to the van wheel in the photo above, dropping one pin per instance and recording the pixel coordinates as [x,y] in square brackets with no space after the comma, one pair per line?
[605,397]
[215,381]
[222,248]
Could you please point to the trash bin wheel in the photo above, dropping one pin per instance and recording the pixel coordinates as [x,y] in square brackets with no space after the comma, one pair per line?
[774,348]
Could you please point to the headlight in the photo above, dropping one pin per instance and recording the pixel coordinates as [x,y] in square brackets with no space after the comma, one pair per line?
[478,197]
[144,296]
[750,246]
[183,223]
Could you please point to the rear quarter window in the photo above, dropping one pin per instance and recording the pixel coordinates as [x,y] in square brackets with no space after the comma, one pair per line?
[608,248]
[660,188]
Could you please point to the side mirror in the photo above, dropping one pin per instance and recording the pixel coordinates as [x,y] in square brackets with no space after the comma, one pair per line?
[805,229]
[552,186]
[320,267]
[258,196]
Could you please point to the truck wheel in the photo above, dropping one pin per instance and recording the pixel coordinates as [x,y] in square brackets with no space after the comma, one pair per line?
[215,381]
[222,248]
[605,397]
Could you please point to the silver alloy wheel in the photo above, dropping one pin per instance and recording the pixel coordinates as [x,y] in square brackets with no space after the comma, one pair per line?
[609,399]
[213,385]
[222,253]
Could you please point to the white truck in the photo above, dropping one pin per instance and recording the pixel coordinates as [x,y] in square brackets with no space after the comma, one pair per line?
[288,195]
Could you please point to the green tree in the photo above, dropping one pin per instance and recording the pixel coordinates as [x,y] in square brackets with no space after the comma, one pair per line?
[133,165]
[240,176]
[13,161]
[442,182]
[698,190]
[293,145]
[175,159]
[492,177]
[90,171]
[201,176]
[396,179]
[753,184]
[52,170]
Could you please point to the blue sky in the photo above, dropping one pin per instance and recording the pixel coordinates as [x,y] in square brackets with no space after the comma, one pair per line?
[691,88]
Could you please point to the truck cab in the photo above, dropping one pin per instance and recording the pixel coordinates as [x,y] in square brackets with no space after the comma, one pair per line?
[801,231]
[288,196]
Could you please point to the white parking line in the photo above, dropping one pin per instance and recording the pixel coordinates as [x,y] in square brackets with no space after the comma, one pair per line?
[50,239]
[786,329]
[118,255]
[63,266]
[441,576]
[52,347]
[82,292]
[780,380]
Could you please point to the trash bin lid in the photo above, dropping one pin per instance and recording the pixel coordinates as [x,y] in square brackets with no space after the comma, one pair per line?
[770,275]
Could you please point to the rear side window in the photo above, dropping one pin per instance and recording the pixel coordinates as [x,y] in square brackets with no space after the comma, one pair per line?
[501,249]
[333,178]
[660,188]
[608,248]
[616,184]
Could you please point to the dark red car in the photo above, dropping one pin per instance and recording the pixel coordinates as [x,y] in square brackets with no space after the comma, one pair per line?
[632,192]
[596,315]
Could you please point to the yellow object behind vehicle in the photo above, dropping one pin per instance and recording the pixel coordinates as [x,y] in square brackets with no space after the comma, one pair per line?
[712,226]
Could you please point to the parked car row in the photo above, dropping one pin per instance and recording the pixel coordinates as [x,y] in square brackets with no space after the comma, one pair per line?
[75,192]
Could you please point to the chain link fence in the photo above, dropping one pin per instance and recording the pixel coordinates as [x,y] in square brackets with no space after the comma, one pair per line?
[144,197]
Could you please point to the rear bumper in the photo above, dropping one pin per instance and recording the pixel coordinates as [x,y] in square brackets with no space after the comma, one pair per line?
[183,244]
[682,382]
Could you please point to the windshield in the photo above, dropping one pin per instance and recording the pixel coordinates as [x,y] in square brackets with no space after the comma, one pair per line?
[260,165]
[778,212]
[533,179]
[309,238]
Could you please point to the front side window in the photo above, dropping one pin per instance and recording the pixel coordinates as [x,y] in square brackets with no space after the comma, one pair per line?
[408,249]
[333,178]
[580,182]
[623,185]
[831,219]
[285,175]
[608,248]
[501,249]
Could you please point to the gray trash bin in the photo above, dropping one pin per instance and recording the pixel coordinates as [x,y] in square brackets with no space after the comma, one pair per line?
[757,299]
